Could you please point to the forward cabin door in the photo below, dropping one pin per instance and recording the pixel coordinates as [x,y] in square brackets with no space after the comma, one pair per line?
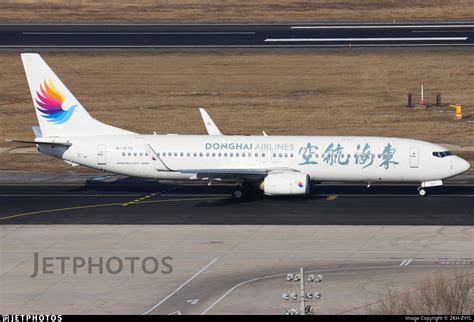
[101,154]
[414,157]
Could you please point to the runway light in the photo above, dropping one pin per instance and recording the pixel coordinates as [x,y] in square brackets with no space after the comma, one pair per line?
[285,296]
[289,277]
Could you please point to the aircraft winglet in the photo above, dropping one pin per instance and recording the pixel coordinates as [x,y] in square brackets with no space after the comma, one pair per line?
[211,127]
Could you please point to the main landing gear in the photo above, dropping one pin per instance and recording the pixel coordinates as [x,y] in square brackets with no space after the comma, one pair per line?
[237,194]
[247,190]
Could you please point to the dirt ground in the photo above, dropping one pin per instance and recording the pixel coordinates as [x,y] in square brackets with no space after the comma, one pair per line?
[309,93]
[233,10]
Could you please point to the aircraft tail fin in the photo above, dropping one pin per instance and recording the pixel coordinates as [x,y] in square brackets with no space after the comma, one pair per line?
[58,111]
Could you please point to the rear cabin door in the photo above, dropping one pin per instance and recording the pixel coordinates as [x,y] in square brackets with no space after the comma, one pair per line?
[101,154]
[414,157]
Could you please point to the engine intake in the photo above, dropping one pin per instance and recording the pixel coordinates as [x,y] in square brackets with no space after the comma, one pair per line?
[286,183]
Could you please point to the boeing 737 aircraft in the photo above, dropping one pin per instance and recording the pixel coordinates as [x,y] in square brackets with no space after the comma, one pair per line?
[278,165]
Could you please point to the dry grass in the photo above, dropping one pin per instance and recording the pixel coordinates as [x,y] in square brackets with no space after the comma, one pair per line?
[233,10]
[441,294]
[310,93]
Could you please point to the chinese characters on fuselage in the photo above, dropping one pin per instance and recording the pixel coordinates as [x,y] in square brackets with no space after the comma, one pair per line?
[334,155]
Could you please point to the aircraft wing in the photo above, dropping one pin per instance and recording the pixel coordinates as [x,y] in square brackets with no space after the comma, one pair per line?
[236,173]
[211,127]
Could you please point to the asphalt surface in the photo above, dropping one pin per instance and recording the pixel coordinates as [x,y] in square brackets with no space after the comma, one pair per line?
[129,202]
[295,35]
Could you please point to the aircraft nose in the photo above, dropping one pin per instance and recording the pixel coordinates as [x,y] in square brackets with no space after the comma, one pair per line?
[464,165]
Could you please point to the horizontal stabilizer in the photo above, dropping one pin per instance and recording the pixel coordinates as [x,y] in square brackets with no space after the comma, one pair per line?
[53,142]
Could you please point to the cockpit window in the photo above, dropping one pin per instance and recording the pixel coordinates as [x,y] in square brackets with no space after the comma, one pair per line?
[442,154]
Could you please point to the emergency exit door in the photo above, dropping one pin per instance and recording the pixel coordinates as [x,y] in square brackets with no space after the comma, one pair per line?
[414,157]
[101,154]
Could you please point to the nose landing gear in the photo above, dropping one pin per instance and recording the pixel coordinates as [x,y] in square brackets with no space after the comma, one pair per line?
[422,191]
[426,184]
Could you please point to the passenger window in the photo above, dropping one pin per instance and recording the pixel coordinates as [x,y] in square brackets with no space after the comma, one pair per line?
[141,154]
[195,154]
[231,154]
[256,154]
[188,154]
[291,155]
[129,154]
[280,155]
[170,154]
[134,154]
[286,155]
[123,154]
[181,154]
[213,154]
[225,154]
[176,154]
[274,155]
[237,154]
[243,154]
[263,155]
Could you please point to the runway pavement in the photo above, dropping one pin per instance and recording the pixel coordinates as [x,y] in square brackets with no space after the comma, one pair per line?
[296,35]
[225,269]
[128,201]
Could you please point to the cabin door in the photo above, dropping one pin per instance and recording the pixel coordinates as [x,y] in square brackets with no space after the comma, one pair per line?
[414,157]
[101,154]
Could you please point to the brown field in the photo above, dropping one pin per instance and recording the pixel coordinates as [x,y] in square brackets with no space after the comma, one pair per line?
[233,10]
[309,93]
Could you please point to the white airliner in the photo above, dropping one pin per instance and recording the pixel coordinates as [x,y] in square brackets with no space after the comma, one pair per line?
[278,165]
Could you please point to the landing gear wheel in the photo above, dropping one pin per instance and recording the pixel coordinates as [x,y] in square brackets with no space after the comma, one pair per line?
[422,192]
[237,194]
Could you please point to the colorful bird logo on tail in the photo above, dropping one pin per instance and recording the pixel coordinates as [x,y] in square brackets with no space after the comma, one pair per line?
[50,101]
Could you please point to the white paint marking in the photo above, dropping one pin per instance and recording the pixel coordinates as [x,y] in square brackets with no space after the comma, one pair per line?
[381,26]
[192,302]
[367,39]
[406,262]
[319,271]
[443,31]
[180,287]
[175,313]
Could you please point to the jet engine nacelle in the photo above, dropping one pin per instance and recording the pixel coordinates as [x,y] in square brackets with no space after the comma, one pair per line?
[286,183]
